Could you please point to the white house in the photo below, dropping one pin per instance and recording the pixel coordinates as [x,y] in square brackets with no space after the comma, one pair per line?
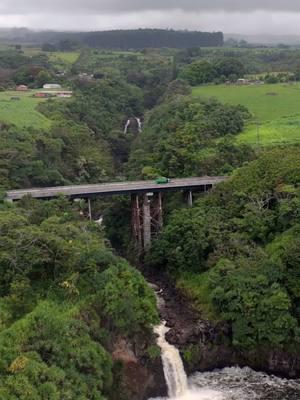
[52,86]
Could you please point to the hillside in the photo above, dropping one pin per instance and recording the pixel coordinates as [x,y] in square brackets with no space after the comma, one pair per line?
[20,109]
[274,107]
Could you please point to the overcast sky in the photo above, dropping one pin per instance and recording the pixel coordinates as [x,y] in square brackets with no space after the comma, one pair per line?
[230,16]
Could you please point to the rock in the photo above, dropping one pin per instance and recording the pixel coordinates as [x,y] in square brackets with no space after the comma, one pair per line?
[141,377]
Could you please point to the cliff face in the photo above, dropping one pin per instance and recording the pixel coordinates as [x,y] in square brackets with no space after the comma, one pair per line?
[206,346]
[139,376]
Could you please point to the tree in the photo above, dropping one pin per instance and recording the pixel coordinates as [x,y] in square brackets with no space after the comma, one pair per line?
[199,72]
[230,66]
[43,77]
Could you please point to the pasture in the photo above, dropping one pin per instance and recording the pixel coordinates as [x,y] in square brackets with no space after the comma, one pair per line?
[63,57]
[275,110]
[22,112]
[55,57]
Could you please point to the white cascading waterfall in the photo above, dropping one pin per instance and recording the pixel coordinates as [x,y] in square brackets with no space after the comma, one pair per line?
[226,384]
[127,126]
[175,375]
[176,378]
[139,122]
[139,125]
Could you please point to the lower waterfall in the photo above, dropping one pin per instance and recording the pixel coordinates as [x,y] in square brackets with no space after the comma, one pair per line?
[175,375]
[226,384]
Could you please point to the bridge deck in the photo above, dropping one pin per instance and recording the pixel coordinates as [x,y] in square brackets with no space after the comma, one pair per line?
[116,188]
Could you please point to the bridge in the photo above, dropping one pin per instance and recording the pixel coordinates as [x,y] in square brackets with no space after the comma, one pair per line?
[146,199]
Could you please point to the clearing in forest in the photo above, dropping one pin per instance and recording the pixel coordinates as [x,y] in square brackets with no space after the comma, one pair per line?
[275,110]
[19,108]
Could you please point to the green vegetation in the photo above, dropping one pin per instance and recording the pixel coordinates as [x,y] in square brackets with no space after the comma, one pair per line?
[236,254]
[64,299]
[67,152]
[203,71]
[265,102]
[20,109]
[274,107]
[186,136]
[68,57]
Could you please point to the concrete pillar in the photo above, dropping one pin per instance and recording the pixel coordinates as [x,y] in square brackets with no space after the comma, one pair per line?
[136,222]
[157,214]
[160,211]
[90,209]
[190,198]
[146,223]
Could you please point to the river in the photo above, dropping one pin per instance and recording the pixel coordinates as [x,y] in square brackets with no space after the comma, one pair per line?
[226,384]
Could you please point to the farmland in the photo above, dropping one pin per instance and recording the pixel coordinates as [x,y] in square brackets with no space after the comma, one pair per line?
[275,110]
[22,112]
[63,57]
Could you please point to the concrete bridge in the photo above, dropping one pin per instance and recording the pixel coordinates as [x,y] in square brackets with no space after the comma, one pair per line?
[146,199]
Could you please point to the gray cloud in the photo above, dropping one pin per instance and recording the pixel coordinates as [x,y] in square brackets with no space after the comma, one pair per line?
[124,6]
[231,16]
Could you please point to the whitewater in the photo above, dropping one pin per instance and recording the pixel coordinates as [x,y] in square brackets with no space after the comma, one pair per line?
[226,384]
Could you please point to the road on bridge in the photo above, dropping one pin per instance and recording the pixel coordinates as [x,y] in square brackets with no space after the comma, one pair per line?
[116,188]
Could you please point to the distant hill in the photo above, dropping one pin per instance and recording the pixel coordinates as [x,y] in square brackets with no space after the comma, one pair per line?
[118,39]
[145,38]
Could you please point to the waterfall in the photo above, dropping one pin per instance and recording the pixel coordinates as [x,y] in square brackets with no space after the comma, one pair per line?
[175,375]
[128,123]
[176,378]
[139,122]
[226,384]
[127,126]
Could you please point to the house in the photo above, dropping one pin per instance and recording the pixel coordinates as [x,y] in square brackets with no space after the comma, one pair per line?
[42,95]
[60,74]
[22,88]
[52,86]
[85,77]
[54,93]
[242,82]
[66,93]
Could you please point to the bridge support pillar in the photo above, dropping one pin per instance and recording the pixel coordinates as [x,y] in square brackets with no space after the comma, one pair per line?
[157,213]
[147,222]
[90,209]
[190,198]
[136,224]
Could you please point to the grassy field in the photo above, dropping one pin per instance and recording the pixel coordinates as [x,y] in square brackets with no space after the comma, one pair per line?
[59,57]
[275,110]
[22,112]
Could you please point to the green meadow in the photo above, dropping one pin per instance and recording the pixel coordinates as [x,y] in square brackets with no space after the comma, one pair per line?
[275,110]
[22,112]
[55,57]
[63,57]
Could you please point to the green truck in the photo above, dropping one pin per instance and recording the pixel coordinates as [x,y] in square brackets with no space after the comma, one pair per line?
[162,180]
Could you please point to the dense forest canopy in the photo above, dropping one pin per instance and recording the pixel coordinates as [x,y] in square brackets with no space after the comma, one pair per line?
[236,253]
[153,38]
[120,39]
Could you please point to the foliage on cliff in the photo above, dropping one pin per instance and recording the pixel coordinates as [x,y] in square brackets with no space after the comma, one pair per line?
[64,297]
[244,239]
